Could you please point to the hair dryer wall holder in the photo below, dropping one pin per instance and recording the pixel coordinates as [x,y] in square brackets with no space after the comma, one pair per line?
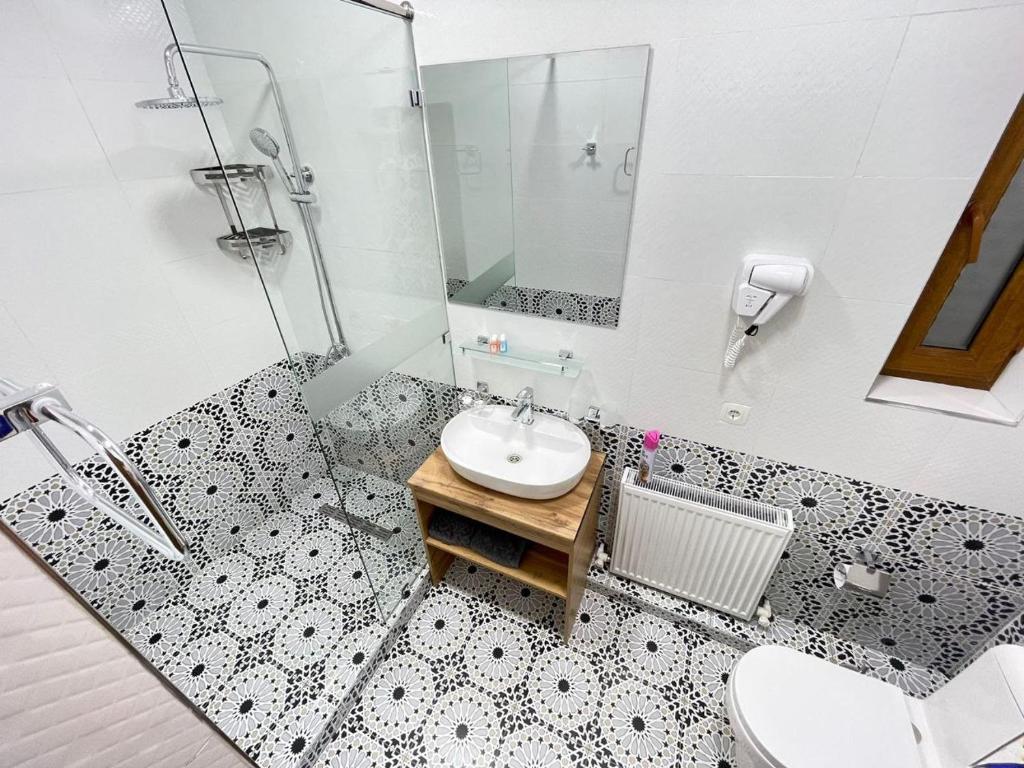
[763,286]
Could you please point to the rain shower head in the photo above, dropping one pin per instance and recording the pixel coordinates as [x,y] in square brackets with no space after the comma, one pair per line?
[265,142]
[178,100]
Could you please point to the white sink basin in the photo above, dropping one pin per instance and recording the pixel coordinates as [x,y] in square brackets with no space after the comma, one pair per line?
[540,461]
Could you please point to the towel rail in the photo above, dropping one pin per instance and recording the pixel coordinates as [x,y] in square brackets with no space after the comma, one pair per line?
[25,409]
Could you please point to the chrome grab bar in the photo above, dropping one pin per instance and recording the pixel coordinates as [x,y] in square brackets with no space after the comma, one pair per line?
[24,410]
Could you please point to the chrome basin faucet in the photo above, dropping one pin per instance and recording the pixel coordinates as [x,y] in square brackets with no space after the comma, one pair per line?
[523,412]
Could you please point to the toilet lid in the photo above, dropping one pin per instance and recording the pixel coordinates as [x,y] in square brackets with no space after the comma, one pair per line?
[804,712]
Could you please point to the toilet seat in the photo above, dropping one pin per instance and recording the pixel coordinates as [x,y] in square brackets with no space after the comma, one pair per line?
[798,711]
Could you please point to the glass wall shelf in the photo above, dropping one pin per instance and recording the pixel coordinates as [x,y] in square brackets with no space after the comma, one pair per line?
[561,363]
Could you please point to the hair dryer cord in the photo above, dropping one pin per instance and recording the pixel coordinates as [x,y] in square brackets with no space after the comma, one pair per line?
[737,340]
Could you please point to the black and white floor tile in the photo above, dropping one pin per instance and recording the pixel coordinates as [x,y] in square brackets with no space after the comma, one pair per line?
[275,620]
[471,684]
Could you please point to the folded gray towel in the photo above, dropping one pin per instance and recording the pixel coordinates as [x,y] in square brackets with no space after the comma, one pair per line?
[451,528]
[497,545]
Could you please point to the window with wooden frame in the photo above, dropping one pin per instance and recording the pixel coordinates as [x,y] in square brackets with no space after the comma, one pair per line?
[969,320]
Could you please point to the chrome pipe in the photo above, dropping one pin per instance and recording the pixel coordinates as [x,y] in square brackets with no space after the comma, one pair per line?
[167,540]
[403,10]
[25,411]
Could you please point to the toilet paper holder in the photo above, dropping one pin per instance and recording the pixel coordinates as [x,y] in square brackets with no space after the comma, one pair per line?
[862,577]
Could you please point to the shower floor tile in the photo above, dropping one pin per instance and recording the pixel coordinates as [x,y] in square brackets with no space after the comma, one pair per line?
[268,635]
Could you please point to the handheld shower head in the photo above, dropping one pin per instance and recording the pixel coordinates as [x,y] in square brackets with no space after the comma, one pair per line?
[265,142]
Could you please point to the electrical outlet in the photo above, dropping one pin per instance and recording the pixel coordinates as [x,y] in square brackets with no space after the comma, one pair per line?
[734,413]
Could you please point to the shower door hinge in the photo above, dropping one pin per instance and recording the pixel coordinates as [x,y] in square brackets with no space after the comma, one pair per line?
[415,97]
[445,337]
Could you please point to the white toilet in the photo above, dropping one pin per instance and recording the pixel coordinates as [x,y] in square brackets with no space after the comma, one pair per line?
[790,710]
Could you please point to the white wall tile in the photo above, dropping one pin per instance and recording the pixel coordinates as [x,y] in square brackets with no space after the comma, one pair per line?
[697,399]
[213,288]
[179,219]
[823,343]
[976,463]
[889,235]
[109,332]
[22,362]
[130,361]
[235,348]
[952,91]
[575,66]
[940,6]
[885,444]
[25,49]
[457,30]
[700,227]
[69,156]
[113,40]
[69,235]
[794,102]
[145,143]
[683,324]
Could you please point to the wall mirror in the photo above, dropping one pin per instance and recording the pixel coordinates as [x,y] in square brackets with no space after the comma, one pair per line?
[535,162]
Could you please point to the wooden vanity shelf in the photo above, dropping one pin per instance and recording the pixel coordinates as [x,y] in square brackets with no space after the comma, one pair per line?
[561,531]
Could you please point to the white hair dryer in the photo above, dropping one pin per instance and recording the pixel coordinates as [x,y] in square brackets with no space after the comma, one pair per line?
[764,285]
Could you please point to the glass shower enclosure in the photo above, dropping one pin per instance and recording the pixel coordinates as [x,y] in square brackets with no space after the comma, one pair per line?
[322,109]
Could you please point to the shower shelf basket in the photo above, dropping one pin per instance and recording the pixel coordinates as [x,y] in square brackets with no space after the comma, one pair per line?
[263,241]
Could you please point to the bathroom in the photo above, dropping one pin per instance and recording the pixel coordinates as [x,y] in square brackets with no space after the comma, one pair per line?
[282,280]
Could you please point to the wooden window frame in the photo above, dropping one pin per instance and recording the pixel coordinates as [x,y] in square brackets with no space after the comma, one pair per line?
[1001,335]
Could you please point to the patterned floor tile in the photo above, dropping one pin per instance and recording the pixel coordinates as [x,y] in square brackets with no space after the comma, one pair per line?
[462,729]
[295,738]
[250,704]
[536,746]
[708,743]
[637,725]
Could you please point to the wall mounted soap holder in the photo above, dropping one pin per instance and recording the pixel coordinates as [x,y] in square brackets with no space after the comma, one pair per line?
[263,241]
[862,577]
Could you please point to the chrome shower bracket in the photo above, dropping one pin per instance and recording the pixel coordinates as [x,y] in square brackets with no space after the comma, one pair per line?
[16,414]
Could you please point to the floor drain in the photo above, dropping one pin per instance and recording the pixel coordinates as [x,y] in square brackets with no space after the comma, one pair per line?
[513,458]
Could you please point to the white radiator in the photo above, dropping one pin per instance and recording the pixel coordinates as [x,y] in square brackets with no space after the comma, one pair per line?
[707,546]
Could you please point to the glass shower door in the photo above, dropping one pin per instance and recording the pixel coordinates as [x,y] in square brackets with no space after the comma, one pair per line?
[324,104]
